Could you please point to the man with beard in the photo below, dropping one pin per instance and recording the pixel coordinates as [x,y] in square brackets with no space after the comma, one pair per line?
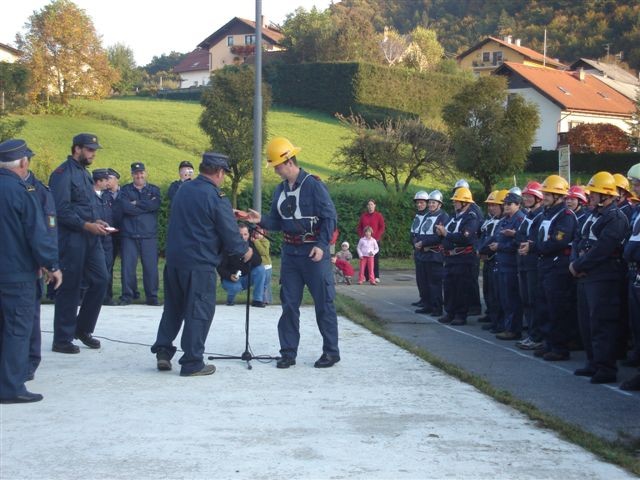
[81,253]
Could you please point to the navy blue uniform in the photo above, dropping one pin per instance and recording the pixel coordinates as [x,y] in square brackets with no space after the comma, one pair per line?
[110,198]
[528,273]
[26,247]
[81,253]
[139,238]
[105,211]
[632,257]
[49,210]
[506,260]
[173,188]
[201,228]
[476,306]
[413,235]
[307,217]
[459,264]
[430,261]
[597,255]
[490,273]
[553,242]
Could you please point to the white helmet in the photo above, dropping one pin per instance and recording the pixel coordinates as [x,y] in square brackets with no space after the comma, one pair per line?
[421,195]
[516,191]
[436,195]
[461,183]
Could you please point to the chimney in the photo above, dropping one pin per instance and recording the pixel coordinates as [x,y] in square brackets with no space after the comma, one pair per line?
[581,74]
[509,39]
[505,38]
[518,42]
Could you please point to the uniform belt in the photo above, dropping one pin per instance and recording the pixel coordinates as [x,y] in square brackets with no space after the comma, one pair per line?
[458,251]
[299,239]
[436,249]
[566,253]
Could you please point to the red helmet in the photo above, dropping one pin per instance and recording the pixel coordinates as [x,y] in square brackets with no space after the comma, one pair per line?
[533,188]
[577,192]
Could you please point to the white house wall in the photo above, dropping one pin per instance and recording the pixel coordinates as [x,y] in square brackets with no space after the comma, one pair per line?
[546,136]
[8,57]
[194,79]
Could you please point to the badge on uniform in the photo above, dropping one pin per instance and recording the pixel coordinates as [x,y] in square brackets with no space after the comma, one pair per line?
[221,194]
[466,233]
[559,235]
[31,188]
[51,221]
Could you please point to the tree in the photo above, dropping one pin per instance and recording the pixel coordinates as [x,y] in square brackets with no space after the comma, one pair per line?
[429,52]
[393,46]
[228,119]
[64,55]
[393,153]
[597,138]
[308,35]
[164,63]
[490,135]
[13,84]
[121,59]
[355,38]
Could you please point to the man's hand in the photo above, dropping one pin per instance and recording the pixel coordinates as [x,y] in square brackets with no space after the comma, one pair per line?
[53,277]
[247,256]
[508,232]
[418,245]
[441,230]
[524,248]
[234,277]
[316,254]
[253,216]
[575,273]
[96,228]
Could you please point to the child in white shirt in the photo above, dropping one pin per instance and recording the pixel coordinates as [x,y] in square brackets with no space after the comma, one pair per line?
[367,249]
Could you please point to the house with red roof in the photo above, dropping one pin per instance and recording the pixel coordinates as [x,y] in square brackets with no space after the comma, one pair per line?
[232,44]
[484,57]
[566,99]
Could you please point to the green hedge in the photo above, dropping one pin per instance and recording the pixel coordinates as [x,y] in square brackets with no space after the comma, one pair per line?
[547,161]
[183,94]
[373,91]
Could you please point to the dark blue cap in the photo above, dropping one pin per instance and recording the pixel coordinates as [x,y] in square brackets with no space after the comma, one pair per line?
[113,173]
[512,198]
[100,174]
[185,164]
[14,149]
[137,167]
[213,159]
[88,140]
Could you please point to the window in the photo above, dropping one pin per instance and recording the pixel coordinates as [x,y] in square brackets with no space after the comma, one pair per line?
[497,58]
[230,41]
[486,57]
[249,39]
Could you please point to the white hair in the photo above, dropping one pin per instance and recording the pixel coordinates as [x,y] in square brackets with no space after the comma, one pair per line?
[12,165]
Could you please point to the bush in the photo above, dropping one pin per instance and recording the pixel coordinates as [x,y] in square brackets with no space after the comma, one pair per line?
[372,91]
[183,94]
[547,161]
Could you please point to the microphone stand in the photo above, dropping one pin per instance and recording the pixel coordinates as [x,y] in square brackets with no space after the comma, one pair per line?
[247,355]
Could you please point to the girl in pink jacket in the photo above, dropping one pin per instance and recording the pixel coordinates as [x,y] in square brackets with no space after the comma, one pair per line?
[367,249]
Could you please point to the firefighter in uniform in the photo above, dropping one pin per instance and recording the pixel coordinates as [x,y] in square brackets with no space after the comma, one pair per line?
[430,249]
[632,257]
[100,181]
[303,210]
[201,230]
[185,171]
[596,263]
[495,315]
[81,253]
[420,200]
[552,243]
[458,240]
[26,247]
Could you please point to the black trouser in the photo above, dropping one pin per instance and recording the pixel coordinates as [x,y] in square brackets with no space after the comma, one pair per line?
[556,282]
[475,288]
[458,286]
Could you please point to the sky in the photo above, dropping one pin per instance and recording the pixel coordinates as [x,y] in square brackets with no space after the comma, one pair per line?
[153,28]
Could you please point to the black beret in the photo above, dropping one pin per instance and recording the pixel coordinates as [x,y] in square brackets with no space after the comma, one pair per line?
[185,164]
[213,159]
[137,167]
[87,140]
[14,149]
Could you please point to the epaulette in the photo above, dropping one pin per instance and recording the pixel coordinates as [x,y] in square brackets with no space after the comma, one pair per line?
[316,177]
[59,170]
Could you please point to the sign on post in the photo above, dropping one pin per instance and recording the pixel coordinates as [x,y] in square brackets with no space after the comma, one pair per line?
[564,162]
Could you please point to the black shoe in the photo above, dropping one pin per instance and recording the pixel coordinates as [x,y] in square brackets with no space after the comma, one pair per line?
[109,302]
[540,353]
[326,361]
[163,362]
[446,319]
[631,363]
[458,321]
[426,311]
[604,377]
[257,303]
[285,362]
[154,303]
[436,313]
[632,384]
[417,304]
[88,340]
[136,295]
[584,372]
[485,319]
[124,302]
[230,303]
[555,356]
[26,397]
[206,370]
[65,348]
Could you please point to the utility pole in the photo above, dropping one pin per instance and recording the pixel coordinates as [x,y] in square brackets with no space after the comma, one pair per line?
[257,114]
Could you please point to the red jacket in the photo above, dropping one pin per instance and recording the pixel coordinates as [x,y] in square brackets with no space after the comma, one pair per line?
[374,220]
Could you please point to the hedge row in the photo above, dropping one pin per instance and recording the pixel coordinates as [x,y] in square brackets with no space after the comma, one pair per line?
[183,94]
[373,91]
[547,161]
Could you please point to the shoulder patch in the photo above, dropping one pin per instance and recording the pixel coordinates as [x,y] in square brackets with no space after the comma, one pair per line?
[559,235]
[221,194]
[30,188]
[51,221]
